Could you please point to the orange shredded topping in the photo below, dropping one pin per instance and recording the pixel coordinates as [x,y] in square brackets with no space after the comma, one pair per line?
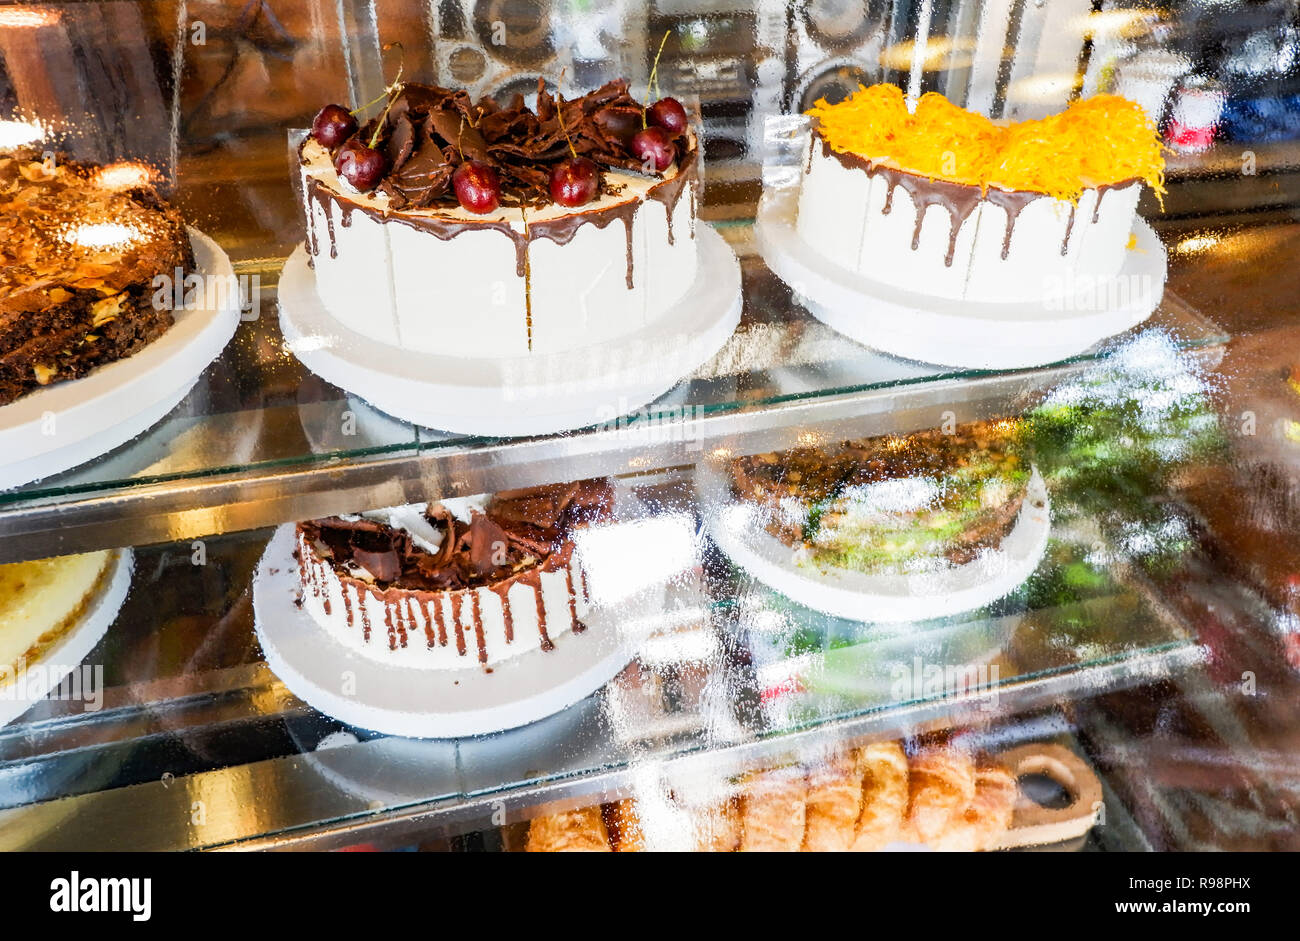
[1101,140]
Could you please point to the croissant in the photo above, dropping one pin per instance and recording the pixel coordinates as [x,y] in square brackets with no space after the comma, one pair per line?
[834,802]
[717,827]
[988,816]
[884,795]
[774,811]
[573,831]
[624,826]
[942,786]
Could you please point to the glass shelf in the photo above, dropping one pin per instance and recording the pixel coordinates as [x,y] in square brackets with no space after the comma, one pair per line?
[197,744]
[261,441]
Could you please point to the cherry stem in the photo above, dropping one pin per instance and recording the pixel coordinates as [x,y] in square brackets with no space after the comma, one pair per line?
[390,91]
[653,82]
[559,114]
[459,135]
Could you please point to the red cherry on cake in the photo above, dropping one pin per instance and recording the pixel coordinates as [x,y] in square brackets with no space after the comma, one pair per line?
[333,125]
[668,114]
[654,148]
[575,181]
[360,165]
[478,188]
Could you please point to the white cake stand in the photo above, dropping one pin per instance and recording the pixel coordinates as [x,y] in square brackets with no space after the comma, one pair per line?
[530,395]
[422,703]
[946,331]
[60,426]
[737,529]
[33,685]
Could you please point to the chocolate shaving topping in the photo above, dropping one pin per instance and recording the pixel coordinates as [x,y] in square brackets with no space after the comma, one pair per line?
[429,131]
[517,531]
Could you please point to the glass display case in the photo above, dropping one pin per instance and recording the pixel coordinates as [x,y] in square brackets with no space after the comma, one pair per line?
[1025,606]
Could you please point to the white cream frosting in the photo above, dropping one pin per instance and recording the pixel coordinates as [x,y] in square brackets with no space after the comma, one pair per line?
[1053,243]
[403,285]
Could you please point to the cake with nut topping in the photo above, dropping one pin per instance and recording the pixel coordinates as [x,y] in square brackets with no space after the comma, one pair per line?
[81,246]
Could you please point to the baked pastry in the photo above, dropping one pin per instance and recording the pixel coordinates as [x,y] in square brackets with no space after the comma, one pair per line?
[863,800]
[942,785]
[404,256]
[718,827]
[834,803]
[774,811]
[41,601]
[573,831]
[462,584]
[885,795]
[946,202]
[988,815]
[79,249]
[624,827]
[891,504]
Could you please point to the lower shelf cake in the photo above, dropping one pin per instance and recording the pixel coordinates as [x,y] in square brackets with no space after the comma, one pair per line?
[462,584]
[890,503]
[40,601]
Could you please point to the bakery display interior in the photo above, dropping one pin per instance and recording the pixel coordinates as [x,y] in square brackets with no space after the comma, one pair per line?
[552,492]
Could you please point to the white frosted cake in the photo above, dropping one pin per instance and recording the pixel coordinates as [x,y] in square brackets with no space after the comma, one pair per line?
[946,202]
[40,601]
[464,584]
[504,269]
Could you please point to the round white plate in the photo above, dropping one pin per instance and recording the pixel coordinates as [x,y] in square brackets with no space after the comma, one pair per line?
[422,703]
[66,424]
[33,685]
[737,528]
[524,395]
[946,331]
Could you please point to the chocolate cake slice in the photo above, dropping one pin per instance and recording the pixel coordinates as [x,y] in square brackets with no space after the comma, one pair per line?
[79,250]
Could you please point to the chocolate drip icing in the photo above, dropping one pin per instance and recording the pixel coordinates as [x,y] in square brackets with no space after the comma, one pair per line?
[503,592]
[669,192]
[1069,227]
[958,199]
[1013,203]
[455,623]
[1105,188]
[578,626]
[541,618]
[430,638]
[442,620]
[476,616]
